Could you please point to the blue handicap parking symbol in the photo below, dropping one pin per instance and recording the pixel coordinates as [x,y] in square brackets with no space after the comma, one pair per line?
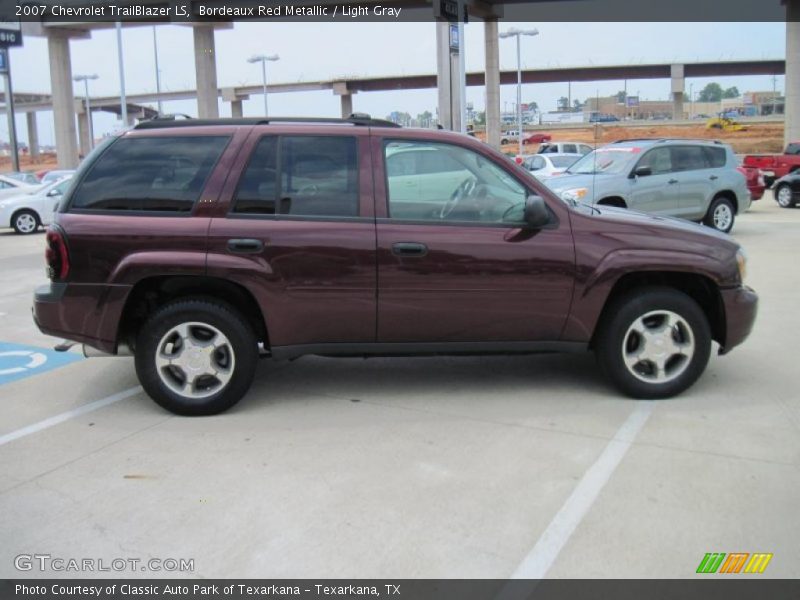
[18,362]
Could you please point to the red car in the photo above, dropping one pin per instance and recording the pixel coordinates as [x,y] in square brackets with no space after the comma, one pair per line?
[200,246]
[512,137]
[755,181]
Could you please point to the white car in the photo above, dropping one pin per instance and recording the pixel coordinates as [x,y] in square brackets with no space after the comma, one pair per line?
[25,212]
[544,166]
[564,148]
[14,187]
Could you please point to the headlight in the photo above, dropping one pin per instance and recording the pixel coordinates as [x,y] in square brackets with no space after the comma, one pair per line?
[741,262]
[574,194]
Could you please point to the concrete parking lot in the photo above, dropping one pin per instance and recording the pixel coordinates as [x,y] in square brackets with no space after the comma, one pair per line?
[424,467]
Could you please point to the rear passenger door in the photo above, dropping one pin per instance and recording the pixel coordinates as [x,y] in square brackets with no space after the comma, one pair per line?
[692,166]
[296,227]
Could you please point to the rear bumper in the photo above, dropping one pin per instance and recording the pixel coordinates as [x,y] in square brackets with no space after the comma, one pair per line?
[741,306]
[84,313]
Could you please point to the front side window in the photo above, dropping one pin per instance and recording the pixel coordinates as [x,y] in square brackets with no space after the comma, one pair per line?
[150,174]
[569,149]
[315,176]
[659,160]
[447,183]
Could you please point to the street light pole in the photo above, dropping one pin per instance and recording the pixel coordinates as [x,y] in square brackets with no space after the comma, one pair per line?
[122,99]
[85,79]
[514,32]
[263,60]
[158,73]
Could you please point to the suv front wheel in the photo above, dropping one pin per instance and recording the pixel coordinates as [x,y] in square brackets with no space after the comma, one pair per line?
[655,343]
[196,357]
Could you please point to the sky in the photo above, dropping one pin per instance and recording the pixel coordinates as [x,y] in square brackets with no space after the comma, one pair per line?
[323,51]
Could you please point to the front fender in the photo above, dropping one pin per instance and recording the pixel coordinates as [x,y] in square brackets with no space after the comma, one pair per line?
[595,284]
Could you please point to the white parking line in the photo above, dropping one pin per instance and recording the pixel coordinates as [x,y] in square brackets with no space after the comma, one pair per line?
[539,560]
[70,414]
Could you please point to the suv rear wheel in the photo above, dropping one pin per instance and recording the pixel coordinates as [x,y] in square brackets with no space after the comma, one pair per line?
[196,357]
[655,343]
[721,214]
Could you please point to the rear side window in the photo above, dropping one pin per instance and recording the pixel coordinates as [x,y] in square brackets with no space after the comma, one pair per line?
[315,176]
[569,149]
[150,174]
[793,148]
[715,156]
[688,158]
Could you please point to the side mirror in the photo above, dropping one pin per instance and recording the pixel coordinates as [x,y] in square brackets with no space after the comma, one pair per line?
[642,172]
[54,192]
[536,213]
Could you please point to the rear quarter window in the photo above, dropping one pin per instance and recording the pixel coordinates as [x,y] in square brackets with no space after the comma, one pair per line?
[149,174]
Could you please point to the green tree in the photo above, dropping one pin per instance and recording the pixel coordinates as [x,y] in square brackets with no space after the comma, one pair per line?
[533,106]
[425,118]
[731,92]
[480,118]
[577,105]
[711,93]
[621,95]
[563,103]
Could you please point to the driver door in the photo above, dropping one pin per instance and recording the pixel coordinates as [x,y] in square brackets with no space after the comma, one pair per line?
[457,265]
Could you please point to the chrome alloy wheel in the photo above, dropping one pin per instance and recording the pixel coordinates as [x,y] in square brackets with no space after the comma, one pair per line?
[195,360]
[26,223]
[723,217]
[785,196]
[658,346]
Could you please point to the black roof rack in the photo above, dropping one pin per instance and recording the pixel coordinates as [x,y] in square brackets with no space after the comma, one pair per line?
[666,139]
[167,121]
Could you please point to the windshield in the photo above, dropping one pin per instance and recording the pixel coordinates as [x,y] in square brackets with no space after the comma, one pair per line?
[562,162]
[605,160]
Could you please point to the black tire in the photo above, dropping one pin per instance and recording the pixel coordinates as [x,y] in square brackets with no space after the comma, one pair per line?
[720,204]
[21,219]
[789,200]
[623,313]
[223,317]
[503,142]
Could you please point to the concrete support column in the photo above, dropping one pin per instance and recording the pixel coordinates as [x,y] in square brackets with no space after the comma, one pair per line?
[236,109]
[33,134]
[63,99]
[791,131]
[677,88]
[205,64]
[443,74]
[492,82]
[677,106]
[347,105]
[131,119]
[83,133]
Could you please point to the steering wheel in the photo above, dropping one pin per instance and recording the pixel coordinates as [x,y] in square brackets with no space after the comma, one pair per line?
[464,189]
[309,190]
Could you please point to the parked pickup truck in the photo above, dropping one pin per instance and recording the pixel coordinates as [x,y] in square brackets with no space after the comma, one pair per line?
[775,166]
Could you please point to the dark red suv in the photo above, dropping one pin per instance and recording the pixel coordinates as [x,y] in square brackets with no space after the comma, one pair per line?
[201,245]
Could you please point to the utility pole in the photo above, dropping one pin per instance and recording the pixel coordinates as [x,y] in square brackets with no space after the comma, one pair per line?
[122,99]
[5,68]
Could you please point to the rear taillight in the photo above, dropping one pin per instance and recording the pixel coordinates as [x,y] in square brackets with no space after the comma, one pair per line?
[56,255]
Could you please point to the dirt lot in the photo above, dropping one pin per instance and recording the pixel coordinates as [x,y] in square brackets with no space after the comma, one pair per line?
[758,138]
[26,163]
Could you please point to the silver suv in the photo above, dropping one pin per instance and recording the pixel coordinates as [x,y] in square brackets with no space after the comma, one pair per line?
[692,179]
